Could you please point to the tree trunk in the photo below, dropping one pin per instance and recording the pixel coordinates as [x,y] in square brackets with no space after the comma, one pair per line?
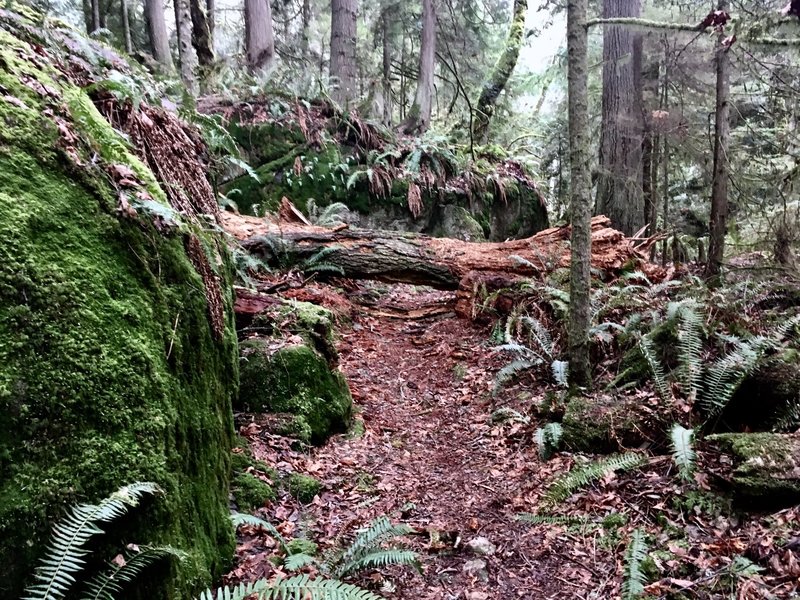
[126,26]
[201,34]
[386,29]
[419,117]
[259,35]
[157,31]
[343,65]
[438,262]
[95,16]
[581,205]
[306,24]
[719,186]
[211,9]
[619,189]
[186,56]
[502,71]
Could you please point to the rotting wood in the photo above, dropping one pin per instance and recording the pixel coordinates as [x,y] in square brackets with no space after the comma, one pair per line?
[440,263]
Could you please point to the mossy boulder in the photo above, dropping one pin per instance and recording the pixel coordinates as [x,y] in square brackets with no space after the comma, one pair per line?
[296,380]
[313,323]
[303,487]
[110,369]
[250,492]
[765,466]
[605,423]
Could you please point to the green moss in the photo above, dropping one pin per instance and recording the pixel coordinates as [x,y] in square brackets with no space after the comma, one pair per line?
[98,386]
[303,487]
[295,380]
[314,323]
[766,466]
[250,493]
[298,428]
[301,546]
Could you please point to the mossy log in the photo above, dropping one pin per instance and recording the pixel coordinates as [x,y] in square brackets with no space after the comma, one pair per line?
[441,263]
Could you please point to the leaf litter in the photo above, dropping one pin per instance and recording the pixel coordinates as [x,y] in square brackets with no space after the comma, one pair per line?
[431,456]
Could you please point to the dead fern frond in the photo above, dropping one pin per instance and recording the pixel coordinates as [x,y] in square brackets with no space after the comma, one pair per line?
[415,199]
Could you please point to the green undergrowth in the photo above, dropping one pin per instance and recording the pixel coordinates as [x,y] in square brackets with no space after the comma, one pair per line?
[109,369]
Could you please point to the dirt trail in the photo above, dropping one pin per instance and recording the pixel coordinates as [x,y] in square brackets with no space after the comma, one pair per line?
[431,457]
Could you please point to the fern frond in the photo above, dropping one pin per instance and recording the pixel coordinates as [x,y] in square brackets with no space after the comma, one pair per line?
[511,370]
[690,349]
[107,585]
[648,350]
[560,370]
[331,215]
[548,439]
[551,519]
[682,451]
[240,519]
[295,562]
[726,374]
[63,560]
[292,588]
[540,335]
[634,578]
[788,418]
[371,537]
[379,559]
[563,488]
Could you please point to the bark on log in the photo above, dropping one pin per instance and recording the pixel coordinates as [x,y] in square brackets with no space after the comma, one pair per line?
[441,263]
[437,262]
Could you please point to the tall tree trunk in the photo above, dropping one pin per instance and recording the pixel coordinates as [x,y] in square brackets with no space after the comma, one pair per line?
[259,35]
[343,66]
[95,16]
[502,71]
[306,24]
[157,31]
[201,34]
[188,60]
[386,29]
[419,117]
[581,204]
[126,26]
[619,188]
[211,13]
[719,186]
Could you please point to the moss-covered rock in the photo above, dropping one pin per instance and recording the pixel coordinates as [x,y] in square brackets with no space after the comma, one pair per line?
[313,323]
[609,423]
[766,466]
[110,371]
[250,492]
[294,380]
[303,487]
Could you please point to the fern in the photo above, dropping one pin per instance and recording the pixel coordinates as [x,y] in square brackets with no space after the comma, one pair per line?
[563,488]
[682,450]
[726,374]
[295,562]
[548,439]
[317,264]
[690,348]
[378,559]
[241,519]
[648,350]
[511,370]
[106,586]
[369,539]
[552,519]
[560,370]
[296,587]
[57,570]
[634,577]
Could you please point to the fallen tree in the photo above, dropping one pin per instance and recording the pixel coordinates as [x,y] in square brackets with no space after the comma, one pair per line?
[441,263]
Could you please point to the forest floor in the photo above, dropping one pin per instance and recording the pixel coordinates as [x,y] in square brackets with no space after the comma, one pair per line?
[430,456]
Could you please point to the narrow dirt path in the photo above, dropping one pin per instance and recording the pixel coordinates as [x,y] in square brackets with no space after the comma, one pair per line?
[431,457]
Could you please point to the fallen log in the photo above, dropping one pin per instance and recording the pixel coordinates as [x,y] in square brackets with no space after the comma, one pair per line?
[440,263]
